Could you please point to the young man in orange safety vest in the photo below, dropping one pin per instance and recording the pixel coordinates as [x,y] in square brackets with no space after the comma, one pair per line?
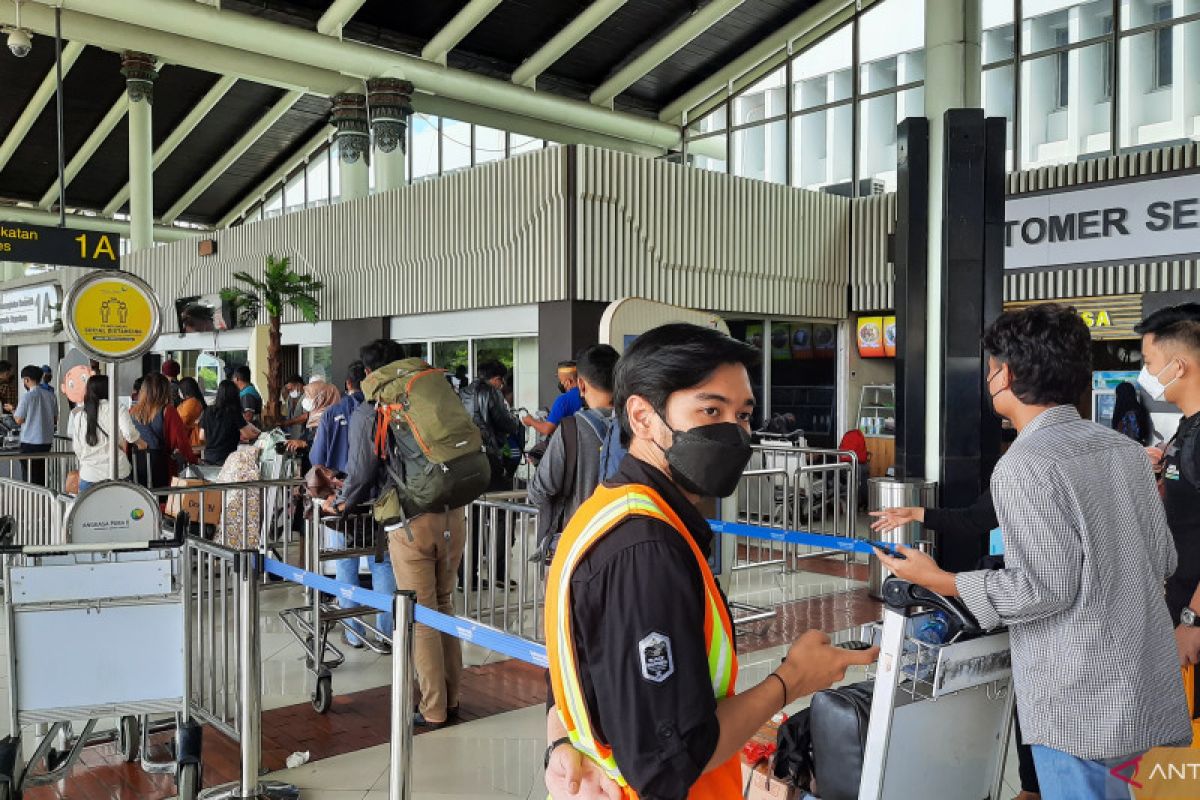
[643,664]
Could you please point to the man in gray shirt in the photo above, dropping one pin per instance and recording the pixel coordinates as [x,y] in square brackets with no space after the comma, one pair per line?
[1087,551]
[37,414]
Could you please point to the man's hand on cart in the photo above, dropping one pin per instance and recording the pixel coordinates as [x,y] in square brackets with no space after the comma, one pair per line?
[813,664]
[331,506]
[296,445]
[919,568]
[891,518]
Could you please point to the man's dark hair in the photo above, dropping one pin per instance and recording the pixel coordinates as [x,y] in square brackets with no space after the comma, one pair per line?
[5,366]
[1179,324]
[492,369]
[567,365]
[32,373]
[670,359]
[242,374]
[355,373]
[295,379]
[379,353]
[596,365]
[1048,348]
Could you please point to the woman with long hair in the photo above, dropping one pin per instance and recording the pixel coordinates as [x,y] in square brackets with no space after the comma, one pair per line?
[1130,416]
[167,438]
[191,408]
[223,425]
[88,429]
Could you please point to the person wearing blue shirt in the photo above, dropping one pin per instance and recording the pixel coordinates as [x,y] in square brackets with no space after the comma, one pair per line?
[567,404]
[330,449]
[37,414]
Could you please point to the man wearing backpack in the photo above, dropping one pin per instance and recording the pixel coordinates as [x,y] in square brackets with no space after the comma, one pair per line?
[416,452]
[570,469]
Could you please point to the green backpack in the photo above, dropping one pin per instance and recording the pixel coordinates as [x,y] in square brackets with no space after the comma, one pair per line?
[432,450]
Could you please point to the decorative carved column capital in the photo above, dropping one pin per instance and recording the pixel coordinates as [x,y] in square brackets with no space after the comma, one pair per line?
[140,71]
[349,116]
[390,101]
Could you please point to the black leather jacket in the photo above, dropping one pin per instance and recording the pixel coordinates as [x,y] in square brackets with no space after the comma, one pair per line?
[490,414]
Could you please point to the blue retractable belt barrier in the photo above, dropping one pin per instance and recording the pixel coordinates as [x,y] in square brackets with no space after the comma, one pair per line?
[845,544]
[468,631]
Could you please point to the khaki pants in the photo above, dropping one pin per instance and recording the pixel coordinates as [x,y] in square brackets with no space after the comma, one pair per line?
[428,566]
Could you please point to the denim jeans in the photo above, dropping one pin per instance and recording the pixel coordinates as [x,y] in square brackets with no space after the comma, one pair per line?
[1064,777]
[346,571]
[84,485]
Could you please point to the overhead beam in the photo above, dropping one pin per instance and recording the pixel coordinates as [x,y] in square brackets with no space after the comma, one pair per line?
[299,157]
[86,222]
[670,44]
[805,28]
[574,33]
[37,103]
[457,29]
[184,26]
[176,137]
[88,149]
[337,15]
[231,155]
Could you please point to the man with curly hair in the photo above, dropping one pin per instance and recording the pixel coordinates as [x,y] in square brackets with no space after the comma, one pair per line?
[1087,551]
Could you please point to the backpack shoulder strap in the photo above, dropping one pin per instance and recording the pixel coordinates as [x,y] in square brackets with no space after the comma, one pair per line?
[570,433]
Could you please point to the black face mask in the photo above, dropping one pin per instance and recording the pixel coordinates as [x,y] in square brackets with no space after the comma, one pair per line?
[708,460]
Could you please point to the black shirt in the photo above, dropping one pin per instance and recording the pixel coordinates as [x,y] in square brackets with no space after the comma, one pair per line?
[978,519]
[640,581]
[222,432]
[1181,497]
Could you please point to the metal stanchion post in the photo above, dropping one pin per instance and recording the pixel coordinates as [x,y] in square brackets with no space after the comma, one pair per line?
[404,607]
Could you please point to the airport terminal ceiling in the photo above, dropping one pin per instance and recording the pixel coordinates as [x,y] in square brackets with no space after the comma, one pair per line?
[496,46]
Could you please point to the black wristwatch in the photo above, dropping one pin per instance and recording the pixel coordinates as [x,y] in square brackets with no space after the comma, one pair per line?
[554,746]
[1188,618]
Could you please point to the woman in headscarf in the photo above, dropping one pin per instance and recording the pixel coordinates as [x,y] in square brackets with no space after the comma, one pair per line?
[318,397]
[1130,416]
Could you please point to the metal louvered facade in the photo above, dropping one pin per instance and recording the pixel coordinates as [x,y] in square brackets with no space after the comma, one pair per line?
[872,276]
[708,241]
[559,224]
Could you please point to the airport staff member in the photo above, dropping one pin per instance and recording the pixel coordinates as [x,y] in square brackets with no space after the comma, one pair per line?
[643,664]
[1171,372]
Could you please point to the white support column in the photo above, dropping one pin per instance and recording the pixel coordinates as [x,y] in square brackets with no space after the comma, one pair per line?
[140,71]
[952,80]
[353,137]
[389,101]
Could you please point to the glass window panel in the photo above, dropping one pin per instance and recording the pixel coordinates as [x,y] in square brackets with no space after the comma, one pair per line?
[317,177]
[273,206]
[414,350]
[710,153]
[335,173]
[763,100]
[1136,13]
[891,44]
[823,73]
[518,144]
[424,146]
[760,152]
[451,355]
[997,31]
[822,143]
[713,121]
[1154,106]
[489,144]
[1054,23]
[998,101]
[318,361]
[456,145]
[293,193]
[878,118]
[502,350]
[1064,111]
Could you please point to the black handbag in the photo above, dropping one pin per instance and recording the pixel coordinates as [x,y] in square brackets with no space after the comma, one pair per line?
[821,748]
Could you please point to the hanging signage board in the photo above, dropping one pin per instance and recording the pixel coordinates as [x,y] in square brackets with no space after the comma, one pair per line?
[1107,318]
[29,308]
[1154,219]
[63,247]
[112,316]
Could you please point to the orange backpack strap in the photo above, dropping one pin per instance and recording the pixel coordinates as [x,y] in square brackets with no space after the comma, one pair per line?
[382,414]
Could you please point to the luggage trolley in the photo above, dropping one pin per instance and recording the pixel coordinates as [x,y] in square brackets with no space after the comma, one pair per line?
[352,535]
[962,690]
[95,629]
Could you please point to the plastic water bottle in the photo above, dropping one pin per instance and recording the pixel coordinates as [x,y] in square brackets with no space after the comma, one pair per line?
[934,629]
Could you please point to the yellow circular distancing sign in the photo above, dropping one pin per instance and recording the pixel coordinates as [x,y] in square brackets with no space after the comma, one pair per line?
[112,316]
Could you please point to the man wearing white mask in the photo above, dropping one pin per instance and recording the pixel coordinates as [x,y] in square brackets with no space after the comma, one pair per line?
[293,404]
[1171,372]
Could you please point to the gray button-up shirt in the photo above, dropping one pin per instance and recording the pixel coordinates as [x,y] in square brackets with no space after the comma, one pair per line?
[1086,550]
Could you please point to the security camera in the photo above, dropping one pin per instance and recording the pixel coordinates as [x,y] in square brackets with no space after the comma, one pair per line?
[19,42]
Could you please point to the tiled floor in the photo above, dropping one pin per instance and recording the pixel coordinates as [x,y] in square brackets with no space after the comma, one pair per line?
[496,751]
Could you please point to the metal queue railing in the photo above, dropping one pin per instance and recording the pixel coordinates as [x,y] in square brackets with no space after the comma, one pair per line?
[503,580]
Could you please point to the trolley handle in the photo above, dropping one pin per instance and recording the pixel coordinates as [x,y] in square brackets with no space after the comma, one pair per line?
[902,595]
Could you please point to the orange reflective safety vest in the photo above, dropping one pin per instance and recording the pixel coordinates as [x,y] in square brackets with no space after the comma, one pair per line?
[606,509]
